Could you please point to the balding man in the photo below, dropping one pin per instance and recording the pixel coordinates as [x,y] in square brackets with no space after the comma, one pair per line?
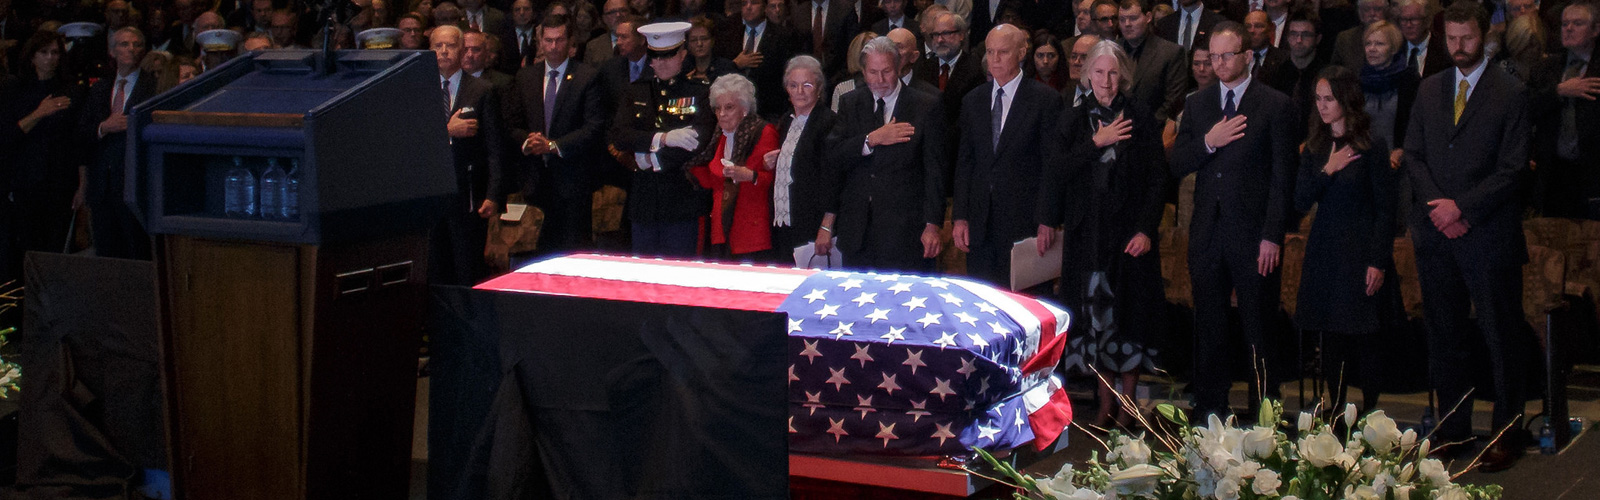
[456,256]
[907,43]
[1077,54]
[888,149]
[1007,127]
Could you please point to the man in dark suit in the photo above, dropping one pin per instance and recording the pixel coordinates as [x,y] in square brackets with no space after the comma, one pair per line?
[480,17]
[1006,132]
[104,124]
[257,18]
[1567,142]
[1237,137]
[1465,149]
[888,147]
[1424,54]
[837,22]
[1348,50]
[1192,22]
[760,49]
[894,16]
[1267,61]
[629,65]
[602,48]
[1301,40]
[1160,72]
[952,68]
[520,40]
[557,112]
[456,256]
[477,59]
[909,56]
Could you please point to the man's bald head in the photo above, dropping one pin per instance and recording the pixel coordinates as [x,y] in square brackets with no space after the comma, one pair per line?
[1004,50]
[209,20]
[906,42]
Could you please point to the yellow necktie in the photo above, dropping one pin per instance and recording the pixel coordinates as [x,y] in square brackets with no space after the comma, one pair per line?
[1461,99]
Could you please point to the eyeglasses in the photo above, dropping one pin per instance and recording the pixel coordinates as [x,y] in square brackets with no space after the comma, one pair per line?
[944,34]
[1217,57]
[1412,20]
[1105,19]
[1301,34]
[616,12]
[796,86]
[1075,57]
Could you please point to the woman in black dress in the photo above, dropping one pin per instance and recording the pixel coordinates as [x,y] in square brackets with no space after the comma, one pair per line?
[40,165]
[1107,191]
[1345,172]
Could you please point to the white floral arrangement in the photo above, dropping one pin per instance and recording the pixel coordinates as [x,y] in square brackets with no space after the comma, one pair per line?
[10,371]
[1371,459]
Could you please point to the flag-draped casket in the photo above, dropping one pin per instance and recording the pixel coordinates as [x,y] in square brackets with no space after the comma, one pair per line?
[878,363]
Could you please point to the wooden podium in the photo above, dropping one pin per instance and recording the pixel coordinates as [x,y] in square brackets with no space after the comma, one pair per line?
[289,344]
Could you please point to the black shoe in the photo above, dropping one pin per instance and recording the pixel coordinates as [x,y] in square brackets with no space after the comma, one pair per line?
[1500,456]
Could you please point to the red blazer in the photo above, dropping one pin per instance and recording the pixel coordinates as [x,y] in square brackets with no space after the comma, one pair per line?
[752,211]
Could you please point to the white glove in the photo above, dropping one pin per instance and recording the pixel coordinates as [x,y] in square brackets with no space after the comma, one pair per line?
[646,161]
[684,138]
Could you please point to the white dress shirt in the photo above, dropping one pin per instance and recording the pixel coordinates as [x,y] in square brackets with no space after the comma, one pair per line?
[1472,79]
[761,30]
[1005,101]
[1422,52]
[888,112]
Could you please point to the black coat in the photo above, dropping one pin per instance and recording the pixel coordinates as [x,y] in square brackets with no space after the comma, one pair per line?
[815,191]
[1353,230]
[106,157]
[1477,162]
[577,126]
[668,195]
[479,171]
[43,161]
[997,187]
[891,194]
[778,44]
[1102,206]
[1244,189]
[1168,27]
[1160,76]
[1546,108]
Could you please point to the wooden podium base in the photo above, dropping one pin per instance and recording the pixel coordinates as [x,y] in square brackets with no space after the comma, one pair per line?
[290,370]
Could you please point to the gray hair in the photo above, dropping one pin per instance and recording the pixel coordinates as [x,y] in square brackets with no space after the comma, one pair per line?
[1124,65]
[881,45]
[737,86]
[808,63]
[961,22]
[1400,4]
[111,41]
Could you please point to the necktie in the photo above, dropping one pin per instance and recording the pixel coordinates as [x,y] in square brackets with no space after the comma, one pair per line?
[1567,140]
[550,98]
[474,24]
[944,76]
[633,71]
[1260,55]
[1411,60]
[1227,108]
[996,116]
[1188,29]
[1461,99]
[445,85]
[816,30]
[119,99]
[750,39]
[877,114]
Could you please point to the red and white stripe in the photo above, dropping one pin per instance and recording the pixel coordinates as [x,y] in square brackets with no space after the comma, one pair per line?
[1044,337]
[658,281]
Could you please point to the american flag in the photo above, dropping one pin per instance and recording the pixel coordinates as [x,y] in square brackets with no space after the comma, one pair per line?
[879,363]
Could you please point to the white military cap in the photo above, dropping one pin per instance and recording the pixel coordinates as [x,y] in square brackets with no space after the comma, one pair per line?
[378,38]
[664,36]
[79,30]
[218,40]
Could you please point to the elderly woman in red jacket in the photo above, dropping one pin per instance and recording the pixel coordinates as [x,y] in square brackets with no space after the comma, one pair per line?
[741,210]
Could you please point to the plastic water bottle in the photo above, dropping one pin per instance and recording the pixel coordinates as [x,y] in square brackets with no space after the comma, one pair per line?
[1428,423]
[1547,439]
[291,192]
[239,191]
[272,184]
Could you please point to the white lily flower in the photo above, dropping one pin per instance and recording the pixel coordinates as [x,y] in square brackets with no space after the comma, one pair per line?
[1304,421]
[1433,470]
[1349,414]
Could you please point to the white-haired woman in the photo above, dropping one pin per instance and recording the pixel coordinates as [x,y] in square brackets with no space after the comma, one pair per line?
[805,189]
[741,208]
[1107,193]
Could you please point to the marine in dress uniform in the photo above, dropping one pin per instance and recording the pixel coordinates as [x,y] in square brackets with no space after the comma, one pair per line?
[660,125]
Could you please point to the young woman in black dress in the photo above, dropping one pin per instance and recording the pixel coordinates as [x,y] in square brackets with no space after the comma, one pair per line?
[1345,172]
